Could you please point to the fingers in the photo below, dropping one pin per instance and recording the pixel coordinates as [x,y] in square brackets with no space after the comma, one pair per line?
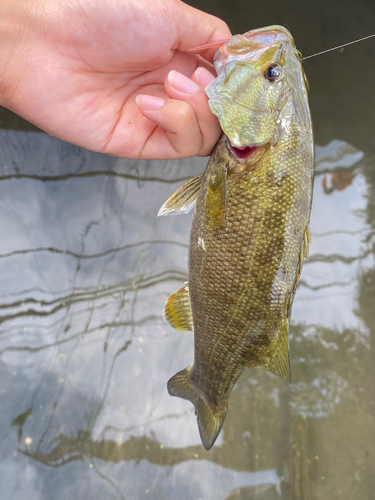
[195,27]
[177,134]
[177,87]
[185,125]
[201,76]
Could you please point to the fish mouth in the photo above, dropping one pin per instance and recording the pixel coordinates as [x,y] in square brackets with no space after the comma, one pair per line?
[241,152]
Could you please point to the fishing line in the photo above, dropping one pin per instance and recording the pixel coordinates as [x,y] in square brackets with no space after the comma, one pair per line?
[338,47]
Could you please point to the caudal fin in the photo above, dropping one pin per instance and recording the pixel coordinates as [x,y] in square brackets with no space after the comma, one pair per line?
[210,420]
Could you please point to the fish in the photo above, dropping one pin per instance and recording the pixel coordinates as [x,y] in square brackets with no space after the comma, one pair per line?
[250,227]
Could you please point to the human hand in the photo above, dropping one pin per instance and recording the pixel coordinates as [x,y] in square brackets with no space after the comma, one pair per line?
[75,69]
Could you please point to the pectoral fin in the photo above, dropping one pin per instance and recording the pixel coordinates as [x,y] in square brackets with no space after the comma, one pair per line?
[177,310]
[216,198]
[278,361]
[183,200]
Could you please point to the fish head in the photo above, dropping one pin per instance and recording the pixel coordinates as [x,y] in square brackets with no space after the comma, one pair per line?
[258,72]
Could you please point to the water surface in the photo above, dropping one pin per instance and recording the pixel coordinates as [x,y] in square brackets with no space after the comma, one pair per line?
[85,269]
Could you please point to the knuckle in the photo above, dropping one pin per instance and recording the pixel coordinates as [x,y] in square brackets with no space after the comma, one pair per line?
[184,115]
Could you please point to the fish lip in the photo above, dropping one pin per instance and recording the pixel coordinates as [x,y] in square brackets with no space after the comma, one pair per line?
[242,152]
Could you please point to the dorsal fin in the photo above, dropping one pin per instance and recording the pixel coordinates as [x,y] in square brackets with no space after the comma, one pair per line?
[303,255]
[278,361]
[183,200]
[177,310]
[306,241]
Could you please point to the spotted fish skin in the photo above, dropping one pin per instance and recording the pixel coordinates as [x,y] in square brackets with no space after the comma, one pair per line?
[249,233]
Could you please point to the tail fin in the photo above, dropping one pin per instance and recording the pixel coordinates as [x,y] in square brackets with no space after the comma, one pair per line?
[210,420]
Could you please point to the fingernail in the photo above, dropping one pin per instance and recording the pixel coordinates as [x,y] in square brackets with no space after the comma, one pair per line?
[182,83]
[203,76]
[149,102]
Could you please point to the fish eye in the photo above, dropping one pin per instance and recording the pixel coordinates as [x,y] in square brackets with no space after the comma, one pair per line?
[273,72]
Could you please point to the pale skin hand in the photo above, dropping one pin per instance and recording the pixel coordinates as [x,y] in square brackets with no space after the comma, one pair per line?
[75,70]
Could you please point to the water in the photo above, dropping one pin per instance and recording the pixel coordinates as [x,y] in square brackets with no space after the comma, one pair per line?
[85,270]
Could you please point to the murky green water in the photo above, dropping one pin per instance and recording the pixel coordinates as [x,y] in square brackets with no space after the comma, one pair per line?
[85,269]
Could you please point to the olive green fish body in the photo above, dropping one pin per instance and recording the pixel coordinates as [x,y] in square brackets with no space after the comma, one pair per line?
[248,238]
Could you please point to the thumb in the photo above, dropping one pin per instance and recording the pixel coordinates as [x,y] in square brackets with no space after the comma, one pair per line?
[195,27]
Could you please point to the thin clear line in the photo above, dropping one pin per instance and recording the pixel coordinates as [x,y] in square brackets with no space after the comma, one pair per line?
[338,47]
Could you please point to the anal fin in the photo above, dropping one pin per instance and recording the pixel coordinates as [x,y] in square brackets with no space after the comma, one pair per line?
[177,310]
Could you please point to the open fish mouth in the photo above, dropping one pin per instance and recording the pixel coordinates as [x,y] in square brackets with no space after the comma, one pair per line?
[241,152]
[244,152]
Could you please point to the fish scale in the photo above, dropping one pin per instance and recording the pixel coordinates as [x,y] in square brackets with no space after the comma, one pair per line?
[249,232]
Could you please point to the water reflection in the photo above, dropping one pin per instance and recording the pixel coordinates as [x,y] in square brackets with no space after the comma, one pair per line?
[85,356]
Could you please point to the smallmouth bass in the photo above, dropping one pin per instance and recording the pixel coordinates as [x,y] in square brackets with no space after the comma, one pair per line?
[249,233]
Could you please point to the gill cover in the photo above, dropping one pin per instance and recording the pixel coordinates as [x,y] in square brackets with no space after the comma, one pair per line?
[245,101]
